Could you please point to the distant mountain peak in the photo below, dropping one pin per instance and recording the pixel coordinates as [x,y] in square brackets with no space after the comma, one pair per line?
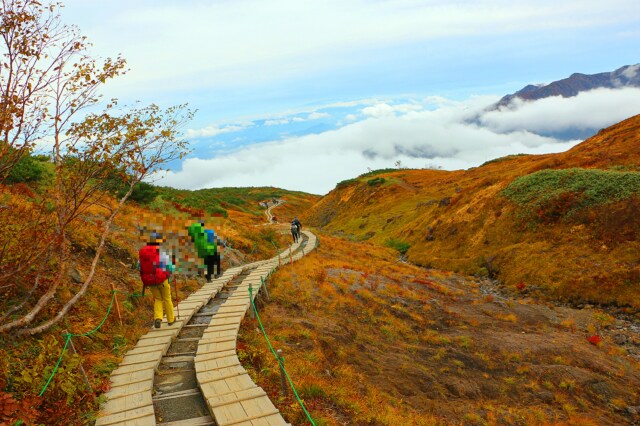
[626,76]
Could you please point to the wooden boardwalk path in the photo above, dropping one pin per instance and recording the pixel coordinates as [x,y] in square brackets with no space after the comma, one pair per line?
[229,394]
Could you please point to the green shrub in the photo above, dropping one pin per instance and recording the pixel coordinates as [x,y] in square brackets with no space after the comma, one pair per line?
[399,245]
[376,181]
[551,194]
[346,182]
[377,172]
[143,193]
[28,169]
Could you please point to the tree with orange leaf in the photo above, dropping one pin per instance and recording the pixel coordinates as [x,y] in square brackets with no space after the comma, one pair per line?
[51,100]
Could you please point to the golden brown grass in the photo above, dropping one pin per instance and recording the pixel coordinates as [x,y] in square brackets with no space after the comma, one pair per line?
[459,221]
[371,341]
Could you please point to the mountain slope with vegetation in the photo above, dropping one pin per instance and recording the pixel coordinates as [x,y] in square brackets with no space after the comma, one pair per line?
[27,362]
[368,340]
[560,226]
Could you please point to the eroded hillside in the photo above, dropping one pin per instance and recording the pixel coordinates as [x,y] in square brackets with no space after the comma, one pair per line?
[566,229]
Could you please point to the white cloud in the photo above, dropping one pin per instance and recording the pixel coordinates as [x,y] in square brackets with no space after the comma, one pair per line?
[214,131]
[594,109]
[383,109]
[380,109]
[191,43]
[277,122]
[318,115]
[449,136]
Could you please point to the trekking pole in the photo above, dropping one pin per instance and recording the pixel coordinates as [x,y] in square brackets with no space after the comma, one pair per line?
[175,286]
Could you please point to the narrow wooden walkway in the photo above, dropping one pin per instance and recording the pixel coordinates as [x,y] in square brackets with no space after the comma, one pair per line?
[230,394]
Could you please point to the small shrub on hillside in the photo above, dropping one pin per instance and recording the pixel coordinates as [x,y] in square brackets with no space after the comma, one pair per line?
[29,169]
[346,182]
[377,172]
[399,245]
[376,181]
[594,340]
[552,194]
[143,193]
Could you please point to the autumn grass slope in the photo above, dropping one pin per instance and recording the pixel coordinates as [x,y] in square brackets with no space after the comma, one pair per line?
[562,226]
[368,340]
[27,362]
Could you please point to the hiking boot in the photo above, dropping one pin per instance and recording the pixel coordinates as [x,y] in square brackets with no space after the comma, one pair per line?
[172,322]
[157,323]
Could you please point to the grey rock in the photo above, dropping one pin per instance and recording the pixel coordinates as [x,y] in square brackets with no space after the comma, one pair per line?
[75,275]
[545,396]
[620,339]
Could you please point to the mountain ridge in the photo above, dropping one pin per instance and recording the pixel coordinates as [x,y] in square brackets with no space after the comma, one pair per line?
[626,76]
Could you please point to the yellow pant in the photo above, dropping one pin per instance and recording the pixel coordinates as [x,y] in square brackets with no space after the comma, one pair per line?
[162,298]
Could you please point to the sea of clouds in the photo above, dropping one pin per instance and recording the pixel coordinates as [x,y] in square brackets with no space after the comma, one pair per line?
[430,132]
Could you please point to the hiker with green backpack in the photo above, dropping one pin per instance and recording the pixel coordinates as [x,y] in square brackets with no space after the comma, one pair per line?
[207,247]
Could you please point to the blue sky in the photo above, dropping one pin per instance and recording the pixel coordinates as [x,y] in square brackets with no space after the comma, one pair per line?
[301,94]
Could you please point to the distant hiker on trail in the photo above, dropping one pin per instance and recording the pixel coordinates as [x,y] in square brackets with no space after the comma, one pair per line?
[207,247]
[274,219]
[155,270]
[297,223]
[294,232]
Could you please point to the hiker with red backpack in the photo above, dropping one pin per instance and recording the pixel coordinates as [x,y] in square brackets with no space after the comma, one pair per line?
[155,270]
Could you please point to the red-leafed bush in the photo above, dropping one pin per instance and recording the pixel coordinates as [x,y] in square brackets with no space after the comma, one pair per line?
[594,340]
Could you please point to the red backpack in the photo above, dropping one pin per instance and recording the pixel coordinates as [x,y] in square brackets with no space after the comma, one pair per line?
[150,271]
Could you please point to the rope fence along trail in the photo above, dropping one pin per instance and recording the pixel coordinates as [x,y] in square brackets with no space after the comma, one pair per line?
[68,337]
[312,242]
[278,356]
[232,397]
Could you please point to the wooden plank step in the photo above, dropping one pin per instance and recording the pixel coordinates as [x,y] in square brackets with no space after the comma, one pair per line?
[271,420]
[232,398]
[221,373]
[221,346]
[141,358]
[133,377]
[177,358]
[145,349]
[129,389]
[208,335]
[126,369]
[128,402]
[196,421]
[235,415]
[215,355]
[180,394]
[142,416]
[216,363]
[228,385]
